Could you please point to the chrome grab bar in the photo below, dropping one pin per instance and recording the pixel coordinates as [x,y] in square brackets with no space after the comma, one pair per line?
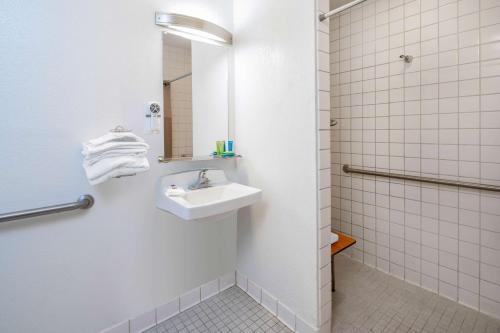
[347,169]
[84,202]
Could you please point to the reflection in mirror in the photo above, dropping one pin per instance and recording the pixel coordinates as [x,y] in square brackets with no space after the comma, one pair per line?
[196,95]
[177,97]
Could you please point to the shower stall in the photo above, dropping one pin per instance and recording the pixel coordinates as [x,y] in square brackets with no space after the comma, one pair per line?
[415,96]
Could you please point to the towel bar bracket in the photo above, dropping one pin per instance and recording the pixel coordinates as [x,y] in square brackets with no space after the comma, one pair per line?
[86,201]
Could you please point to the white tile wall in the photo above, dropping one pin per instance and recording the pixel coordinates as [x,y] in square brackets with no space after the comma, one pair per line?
[324,167]
[439,117]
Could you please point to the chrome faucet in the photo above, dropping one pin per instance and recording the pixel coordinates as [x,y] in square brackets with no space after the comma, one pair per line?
[201,182]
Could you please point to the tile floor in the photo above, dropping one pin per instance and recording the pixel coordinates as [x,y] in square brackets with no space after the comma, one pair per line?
[367,300]
[230,311]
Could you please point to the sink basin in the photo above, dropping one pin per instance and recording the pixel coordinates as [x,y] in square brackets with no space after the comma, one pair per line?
[221,198]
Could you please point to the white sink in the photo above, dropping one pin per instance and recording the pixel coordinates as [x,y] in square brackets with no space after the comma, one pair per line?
[221,198]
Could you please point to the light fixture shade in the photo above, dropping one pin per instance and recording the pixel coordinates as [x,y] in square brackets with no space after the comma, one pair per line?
[194,28]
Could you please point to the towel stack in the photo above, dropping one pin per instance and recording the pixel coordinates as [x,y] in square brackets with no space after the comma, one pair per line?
[113,155]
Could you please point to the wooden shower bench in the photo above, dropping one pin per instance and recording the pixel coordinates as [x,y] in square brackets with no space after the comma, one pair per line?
[343,243]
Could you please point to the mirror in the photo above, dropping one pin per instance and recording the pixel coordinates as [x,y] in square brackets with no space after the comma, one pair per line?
[195,97]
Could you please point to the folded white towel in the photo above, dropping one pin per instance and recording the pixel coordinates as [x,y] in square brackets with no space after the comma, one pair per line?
[114,154]
[114,167]
[94,158]
[115,137]
[91,151]
[107,165]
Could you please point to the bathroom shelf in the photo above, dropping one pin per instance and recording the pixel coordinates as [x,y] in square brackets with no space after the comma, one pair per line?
[343,243]
[161,159]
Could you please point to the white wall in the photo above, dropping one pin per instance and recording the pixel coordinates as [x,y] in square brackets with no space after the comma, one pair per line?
[275,126]
[70,71]
[437,117]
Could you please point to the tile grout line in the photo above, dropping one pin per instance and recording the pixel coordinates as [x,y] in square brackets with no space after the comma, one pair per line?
[420,151]
[439,164]
[458,159]
[480,157]
[404,147]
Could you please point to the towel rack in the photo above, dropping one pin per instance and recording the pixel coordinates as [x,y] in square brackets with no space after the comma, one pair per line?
[84,202]
[347,169]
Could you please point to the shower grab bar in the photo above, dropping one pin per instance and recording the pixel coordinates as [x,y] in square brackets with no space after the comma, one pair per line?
[84,202]
[347,169]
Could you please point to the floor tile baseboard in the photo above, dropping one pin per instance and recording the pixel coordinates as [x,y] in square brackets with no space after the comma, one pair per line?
[173,307]
[271,303]
[207,290]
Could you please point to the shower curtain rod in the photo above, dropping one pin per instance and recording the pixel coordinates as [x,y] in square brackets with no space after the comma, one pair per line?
[324,16]
[166,82]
